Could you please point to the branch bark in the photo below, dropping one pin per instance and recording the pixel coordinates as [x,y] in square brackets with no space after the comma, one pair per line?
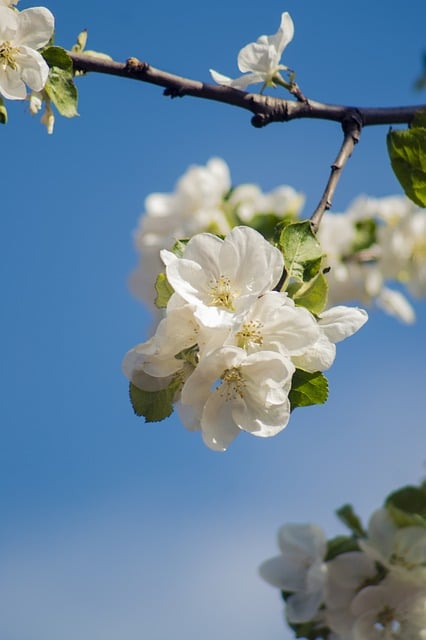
[351,126]
[265,109]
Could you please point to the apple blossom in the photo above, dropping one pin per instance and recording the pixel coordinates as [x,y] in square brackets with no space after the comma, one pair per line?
[393,609]
[231,391]
[260,60]
[21,34]
[223,277]
[299,569]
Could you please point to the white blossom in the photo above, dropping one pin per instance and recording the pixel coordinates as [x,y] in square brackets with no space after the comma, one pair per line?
[347,574]
[196,205]
[21,34]
[223,277]
[231,391]
[401,550]
[392,610]
[300,568]
[260,60]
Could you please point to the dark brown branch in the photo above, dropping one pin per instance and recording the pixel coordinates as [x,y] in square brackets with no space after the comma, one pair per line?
[266,109]
[352,130]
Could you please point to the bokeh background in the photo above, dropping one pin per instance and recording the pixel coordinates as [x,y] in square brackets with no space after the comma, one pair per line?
[116,529]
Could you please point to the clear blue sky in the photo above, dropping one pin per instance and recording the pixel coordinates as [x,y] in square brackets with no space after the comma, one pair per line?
[116,529]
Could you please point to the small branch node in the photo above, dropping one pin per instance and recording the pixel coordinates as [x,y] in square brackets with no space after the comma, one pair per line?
[134,65]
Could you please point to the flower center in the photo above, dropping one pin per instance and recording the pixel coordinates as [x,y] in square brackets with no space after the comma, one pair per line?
[250,334]
[221,294]
[387,622]
[233,384]
[7,55]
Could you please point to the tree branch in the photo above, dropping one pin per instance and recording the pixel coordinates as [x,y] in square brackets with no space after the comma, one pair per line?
[266,109]
[352,130]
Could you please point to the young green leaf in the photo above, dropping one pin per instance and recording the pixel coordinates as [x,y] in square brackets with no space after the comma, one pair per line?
[62,91]
[164,291]
[154,406]
[307,389]
[407,152]
[311,295]
[340,544]
[349,518]
[407,506]
[57,57]
[301,250]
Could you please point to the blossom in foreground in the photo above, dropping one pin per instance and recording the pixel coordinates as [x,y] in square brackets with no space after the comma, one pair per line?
[231,391]
[223,277]
[21,34]
[260,60]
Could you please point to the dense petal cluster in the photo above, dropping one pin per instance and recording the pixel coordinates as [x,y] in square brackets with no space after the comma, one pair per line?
[202,201]
[370,586]
[376,242]
[21,35]
[230,341]
[260,61]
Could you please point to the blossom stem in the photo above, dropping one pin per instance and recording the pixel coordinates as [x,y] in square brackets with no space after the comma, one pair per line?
[351,126]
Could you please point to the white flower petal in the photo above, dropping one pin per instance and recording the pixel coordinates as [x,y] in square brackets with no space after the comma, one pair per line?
[341,322]
[8,24]
[34,69]
[35,27]
[11,85]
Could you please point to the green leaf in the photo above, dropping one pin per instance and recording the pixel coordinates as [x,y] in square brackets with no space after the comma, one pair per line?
[62,91]
[349,518]
[154,406]
[3,113]
[164,291]
[365,234]
[407,506]
[81,42]
[312,295]
[179,247]
[307,389]
[407,152]
[266,223]
[301,250]
[419,119]
[340,544]
[310,630]
[58,57]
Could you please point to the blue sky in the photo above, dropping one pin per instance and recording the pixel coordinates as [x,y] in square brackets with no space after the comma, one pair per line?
[116,529]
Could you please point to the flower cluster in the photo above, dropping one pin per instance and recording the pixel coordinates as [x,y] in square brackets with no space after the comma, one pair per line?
[203,201]
[22,33]
[367,586]
[377,240]
[233,340]
[375,244]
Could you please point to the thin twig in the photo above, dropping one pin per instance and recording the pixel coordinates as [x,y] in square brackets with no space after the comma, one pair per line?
[266,109]
[352,130]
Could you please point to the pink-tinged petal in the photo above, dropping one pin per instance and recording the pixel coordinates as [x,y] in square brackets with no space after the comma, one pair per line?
[8,24]
[11,85]
[34,69]
[35,27]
